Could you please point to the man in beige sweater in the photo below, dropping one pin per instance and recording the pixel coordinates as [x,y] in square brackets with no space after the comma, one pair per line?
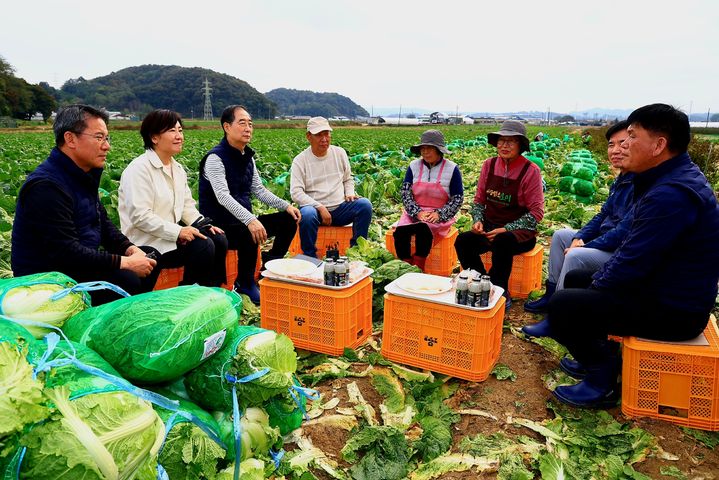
[323,187]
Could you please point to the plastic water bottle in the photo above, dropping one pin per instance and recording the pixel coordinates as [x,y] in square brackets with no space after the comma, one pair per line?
[462,287]
[341,273]
[347,265]
[473,291]
[329,271]
[484,291]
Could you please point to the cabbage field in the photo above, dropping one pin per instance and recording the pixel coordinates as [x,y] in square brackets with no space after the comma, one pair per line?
[371,419]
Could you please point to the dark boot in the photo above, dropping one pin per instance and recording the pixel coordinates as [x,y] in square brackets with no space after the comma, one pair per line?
[409,260]
[540,305]
[419,262]
[572,368]
[252,291]
[599,389]
[540,329]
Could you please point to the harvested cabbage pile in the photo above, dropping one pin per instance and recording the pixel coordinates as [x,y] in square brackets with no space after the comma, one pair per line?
[158,336]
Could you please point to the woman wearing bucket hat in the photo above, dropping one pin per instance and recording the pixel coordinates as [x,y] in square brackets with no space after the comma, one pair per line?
[432,194]
[508,205]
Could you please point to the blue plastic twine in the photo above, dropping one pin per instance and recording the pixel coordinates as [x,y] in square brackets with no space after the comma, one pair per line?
[89,287]
[308,393]
[161,473]
[277,457]
[236,424]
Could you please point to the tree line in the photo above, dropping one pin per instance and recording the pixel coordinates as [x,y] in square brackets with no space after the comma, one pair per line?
[19,99]
[138,90]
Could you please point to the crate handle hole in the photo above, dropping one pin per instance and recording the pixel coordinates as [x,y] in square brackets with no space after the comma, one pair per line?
[360,332]
[673,411]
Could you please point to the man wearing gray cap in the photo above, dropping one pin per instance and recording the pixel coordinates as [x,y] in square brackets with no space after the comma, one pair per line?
[323,187]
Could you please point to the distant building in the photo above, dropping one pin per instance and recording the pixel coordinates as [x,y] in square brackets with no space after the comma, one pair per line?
[393,121]
[118,116]
[460,120]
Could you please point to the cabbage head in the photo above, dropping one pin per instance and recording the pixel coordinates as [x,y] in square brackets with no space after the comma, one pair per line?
[250,469]
[247,351]
[257,436]
[158,336]
[28,298]
[189,453]
[21,400]
[109,435]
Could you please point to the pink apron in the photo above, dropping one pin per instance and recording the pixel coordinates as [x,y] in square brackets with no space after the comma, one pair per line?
[429,196]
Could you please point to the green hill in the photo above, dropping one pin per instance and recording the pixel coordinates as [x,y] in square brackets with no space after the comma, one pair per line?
[305,102]
[141,89]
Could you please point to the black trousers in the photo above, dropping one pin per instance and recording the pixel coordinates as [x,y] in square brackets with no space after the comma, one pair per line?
[422,240]
[504,247]
[204,260]
[125,279]
[280,225]
[582,317]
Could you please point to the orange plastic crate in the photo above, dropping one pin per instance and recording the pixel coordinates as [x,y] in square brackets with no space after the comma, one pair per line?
[325,236]
[526,271]
[446,339]
[676,383]
[442,258]
[316,318]
[171,277]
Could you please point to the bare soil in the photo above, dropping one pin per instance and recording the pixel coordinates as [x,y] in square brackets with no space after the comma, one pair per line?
[526,397]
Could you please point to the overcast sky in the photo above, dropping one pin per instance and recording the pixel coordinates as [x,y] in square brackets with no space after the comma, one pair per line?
[472,55]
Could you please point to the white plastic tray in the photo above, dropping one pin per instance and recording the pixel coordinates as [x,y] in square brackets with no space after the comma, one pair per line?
[445,298]
[319,273]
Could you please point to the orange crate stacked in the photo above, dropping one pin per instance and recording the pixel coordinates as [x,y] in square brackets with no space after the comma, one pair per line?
[442,258]
[315,318]
[526,271]
[447,339]
[676,383]
[171,277]
[326,236]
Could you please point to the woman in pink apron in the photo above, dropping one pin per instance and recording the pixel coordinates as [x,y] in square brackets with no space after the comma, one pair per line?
[432,194]
[507,207]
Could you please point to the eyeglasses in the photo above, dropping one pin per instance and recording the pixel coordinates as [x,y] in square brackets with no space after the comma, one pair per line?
[99,137]
[244,123]
[507,141]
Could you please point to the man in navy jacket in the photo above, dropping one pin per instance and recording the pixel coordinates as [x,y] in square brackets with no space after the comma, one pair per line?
[60,224]
[661,283]
[594,244]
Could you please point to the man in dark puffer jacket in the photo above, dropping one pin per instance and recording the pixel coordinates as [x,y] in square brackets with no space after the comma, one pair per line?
[60,224]
[661,283]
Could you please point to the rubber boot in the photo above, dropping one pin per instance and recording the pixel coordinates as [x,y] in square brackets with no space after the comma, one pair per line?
[419,262]
[540,305]
[250,290]
[599,389]
[539,329]
[409,260]
[572,368]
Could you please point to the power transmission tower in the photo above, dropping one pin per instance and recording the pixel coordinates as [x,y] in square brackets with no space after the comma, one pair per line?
[207,115]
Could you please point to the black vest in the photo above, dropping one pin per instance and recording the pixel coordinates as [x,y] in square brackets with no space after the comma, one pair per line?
[239,170]
[81,187]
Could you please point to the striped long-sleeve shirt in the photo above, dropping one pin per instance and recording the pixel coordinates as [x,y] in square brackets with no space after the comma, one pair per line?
[215,174]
